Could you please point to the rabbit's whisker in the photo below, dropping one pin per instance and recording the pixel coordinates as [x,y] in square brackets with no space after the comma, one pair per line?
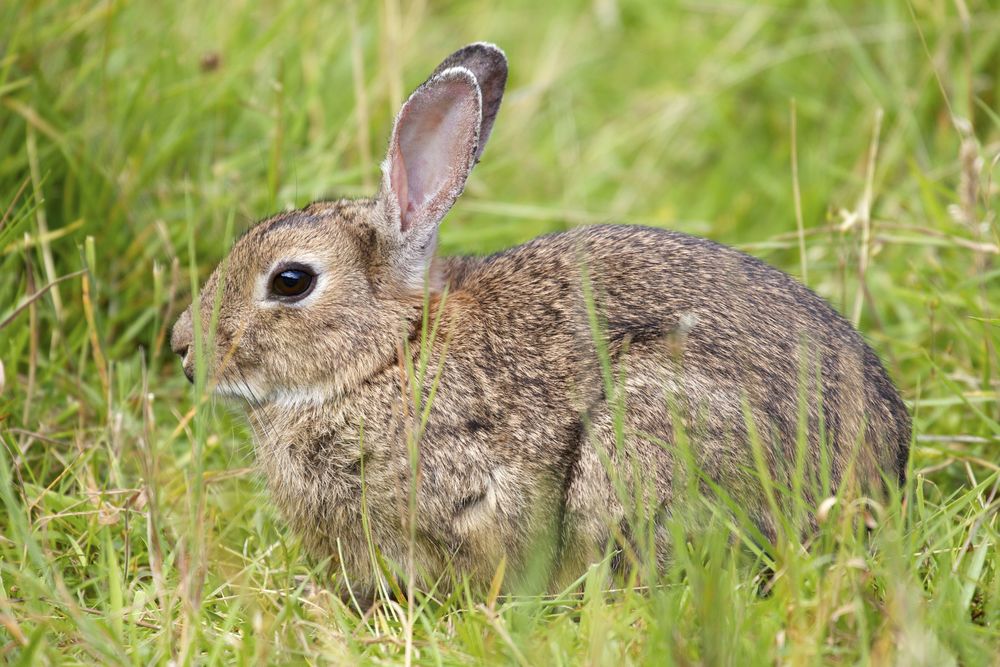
[257,406]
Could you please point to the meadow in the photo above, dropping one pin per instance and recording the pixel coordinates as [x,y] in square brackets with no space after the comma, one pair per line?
[852,144]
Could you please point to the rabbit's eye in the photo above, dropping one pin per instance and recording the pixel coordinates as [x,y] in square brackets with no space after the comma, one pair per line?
[291,283]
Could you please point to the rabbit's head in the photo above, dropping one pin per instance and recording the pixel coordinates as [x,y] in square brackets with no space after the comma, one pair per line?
[310,302]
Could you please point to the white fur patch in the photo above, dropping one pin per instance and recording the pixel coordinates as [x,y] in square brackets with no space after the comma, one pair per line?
[293,399]
[249,390]
[686,322]
[300,397]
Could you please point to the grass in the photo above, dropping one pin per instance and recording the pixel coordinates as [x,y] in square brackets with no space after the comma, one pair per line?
[853,144]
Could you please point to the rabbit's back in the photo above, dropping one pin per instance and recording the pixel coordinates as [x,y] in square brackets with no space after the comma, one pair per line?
[694,331]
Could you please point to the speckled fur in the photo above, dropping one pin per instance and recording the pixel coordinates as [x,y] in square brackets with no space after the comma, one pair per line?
[512,459]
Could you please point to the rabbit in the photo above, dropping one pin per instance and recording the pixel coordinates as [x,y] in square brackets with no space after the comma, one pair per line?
[560,374]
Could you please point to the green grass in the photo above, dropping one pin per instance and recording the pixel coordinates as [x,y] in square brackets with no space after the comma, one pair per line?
[137,138]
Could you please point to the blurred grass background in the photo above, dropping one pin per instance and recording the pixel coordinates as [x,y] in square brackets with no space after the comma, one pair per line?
[136,138]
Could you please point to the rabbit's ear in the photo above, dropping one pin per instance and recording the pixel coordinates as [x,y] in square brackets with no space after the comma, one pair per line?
[489,65]
[431,153]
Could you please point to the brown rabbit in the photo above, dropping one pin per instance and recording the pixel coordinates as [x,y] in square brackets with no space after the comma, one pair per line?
[533,449]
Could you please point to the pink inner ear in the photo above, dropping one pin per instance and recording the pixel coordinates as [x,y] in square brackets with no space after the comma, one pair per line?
[435,139]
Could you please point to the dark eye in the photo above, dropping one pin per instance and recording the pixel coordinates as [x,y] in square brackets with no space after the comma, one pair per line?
[291,283]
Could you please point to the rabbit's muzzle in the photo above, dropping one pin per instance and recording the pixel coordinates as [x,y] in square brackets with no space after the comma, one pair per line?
[181,340]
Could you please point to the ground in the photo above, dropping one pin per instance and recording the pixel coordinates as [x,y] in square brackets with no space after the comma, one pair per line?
[852,144]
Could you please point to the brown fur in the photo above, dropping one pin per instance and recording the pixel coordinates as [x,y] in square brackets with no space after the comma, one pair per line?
[520,456]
